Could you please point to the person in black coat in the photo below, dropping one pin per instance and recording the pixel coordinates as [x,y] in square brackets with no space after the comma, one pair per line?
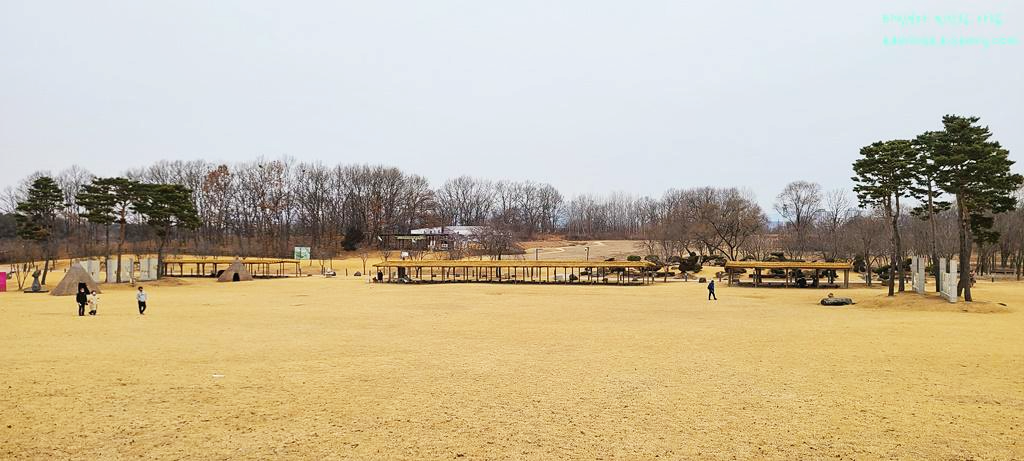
[711,291]
[82,298]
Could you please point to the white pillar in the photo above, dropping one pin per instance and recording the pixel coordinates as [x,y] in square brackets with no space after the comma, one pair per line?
[948,271]
[126,269]
[918,276]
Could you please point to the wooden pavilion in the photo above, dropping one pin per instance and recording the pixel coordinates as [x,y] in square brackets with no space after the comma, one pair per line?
[211,266]
[518,271]
[794,273]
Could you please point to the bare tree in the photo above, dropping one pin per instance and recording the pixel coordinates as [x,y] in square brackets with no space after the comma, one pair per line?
[761,245]
[364,254]
[724,219]
[496,242]
[465,201]
[837,210]
[799,203]
[868,234]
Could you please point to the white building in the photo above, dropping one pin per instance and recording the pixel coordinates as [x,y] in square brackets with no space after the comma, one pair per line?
[464,231]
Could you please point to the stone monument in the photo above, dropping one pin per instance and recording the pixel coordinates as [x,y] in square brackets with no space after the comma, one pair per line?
[92,266]
[127,264]
[918,274]
[949,280]
[147,269]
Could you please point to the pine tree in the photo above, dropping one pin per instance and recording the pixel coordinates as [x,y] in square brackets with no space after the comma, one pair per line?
[108,201]
[885,173]
[926,191]
[977,171]
[166,207]
[36,216]
[99,209]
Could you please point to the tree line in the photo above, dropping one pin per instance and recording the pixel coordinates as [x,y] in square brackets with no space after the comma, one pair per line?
[265,207]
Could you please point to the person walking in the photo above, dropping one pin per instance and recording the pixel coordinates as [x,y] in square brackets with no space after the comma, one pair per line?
[94,302]
[711,291]
[82,299]
[141,298]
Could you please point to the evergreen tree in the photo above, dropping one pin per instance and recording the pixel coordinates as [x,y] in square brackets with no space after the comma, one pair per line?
[98,207]
[36,216]
[885,173]
[108,201]
[166,207]
[928,193]
[977,171]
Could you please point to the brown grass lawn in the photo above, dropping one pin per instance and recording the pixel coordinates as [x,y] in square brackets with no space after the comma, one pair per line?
[339,369]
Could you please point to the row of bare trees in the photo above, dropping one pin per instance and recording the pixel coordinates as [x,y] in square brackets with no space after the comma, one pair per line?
[525,208]
[711,221]
[265,207]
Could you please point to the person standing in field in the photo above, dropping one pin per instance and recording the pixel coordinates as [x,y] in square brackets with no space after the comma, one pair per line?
[94,302]
[141,298]
[81,298]
[711,290]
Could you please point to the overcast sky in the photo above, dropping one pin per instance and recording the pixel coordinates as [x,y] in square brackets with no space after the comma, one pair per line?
[589,95]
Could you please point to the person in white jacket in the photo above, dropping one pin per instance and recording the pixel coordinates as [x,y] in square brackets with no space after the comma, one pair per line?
[141,298]
[94,302]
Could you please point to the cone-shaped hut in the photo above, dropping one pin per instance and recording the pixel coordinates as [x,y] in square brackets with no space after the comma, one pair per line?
[75,278]
[236,272]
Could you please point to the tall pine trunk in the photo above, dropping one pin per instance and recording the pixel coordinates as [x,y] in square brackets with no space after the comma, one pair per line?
[936,270]
[1019,263]
[899,245]
[106,245]
[892,250]
[46,268]
[964,287]
[160,258]
[120,245]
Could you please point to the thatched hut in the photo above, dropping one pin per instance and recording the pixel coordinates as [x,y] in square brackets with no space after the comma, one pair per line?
[236,272]
[75,279]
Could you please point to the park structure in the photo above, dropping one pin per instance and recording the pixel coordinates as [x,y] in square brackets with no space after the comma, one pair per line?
[517,271]
[75,278]
[213,266]
[793,273]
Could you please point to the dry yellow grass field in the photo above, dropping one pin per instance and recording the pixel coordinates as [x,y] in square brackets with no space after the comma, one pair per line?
[340,369]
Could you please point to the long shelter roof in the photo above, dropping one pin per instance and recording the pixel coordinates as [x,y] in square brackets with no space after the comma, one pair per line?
[514,263]
[226,260]
[787,265]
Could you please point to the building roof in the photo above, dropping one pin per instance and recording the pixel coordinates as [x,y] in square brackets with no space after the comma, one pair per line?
[514,263]
[226,260]
[788,265]
[460,230]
